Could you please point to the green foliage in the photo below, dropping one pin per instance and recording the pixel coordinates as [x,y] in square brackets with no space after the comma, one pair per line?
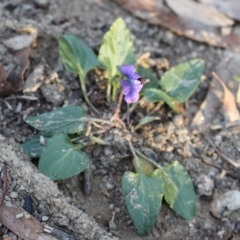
[141,164]
[148,74]
[182,80]
[33,147]
[143,197]
[61,159]
[65,120]
[117,48]
[177,84]
[157,95]
[76,55]
[185,202]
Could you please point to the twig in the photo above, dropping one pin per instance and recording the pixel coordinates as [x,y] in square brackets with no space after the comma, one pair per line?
[208,161]
[222,155]
[4,191]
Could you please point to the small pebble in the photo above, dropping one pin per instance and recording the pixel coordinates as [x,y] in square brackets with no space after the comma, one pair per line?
[117,210]
[45,218]
[20,215]
[111,206]
[27,215]
[178,120]
[13,195]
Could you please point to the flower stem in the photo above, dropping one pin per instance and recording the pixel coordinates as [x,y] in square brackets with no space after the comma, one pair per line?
[109,88]
[84,90]
[117,111]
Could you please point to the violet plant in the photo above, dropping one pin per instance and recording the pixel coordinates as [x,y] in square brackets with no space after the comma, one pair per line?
[66,131]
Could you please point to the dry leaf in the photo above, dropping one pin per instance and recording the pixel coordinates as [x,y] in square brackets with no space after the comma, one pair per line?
[15,77]
[18,42]
[5,88]
[194,11]
[209,109]
[36,78]
[231,112]
[155,12]
[230,7]
[23,227]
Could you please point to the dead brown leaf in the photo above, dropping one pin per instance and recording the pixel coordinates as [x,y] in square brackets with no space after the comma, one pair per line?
[15,77]
[230,110]
[26,228]
[214,102]
[230,7]
[194,11]
[5,88]
[155,12]
[14,82]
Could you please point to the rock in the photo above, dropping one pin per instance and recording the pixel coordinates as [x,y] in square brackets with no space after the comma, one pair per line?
[178,120]
[229,200]
[205,185]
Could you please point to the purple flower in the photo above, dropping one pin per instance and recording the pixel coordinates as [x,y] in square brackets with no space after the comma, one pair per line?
[132,85]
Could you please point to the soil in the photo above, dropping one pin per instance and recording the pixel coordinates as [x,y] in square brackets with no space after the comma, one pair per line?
[98,191]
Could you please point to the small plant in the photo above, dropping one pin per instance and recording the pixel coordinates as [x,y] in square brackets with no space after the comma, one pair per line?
[63,132]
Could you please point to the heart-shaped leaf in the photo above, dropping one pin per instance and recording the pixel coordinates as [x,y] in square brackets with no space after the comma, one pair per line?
[76,55]
[185,202]
[117,48]
[182,80]
[34,146]
[148,74]
[64,120]
[143,197]
[61,159]
[157,95]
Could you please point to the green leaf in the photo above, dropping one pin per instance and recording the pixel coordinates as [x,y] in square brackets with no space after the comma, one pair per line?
[117,48]
[182,80]
[33,147]
[60,159]
[76,55]
[185,203]
[63,120]
[157,95]
[148,74]
[170,189]
[143,165]
[143,196]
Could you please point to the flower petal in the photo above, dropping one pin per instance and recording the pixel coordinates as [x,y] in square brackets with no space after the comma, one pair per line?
[132,97]
[127,86]
[137,85]
[136,76]
[128,70]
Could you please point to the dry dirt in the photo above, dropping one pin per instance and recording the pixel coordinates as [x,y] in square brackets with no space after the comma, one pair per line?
[98,192]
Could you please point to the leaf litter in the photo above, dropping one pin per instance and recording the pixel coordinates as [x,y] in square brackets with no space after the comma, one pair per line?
[155,12]
[169,139]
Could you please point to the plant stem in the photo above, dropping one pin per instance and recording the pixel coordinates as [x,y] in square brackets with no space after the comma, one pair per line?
[115,91]
[148,159]
[84,90]
[90,119]
[133,151]
[109,86]
[117,111]
[131,109]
